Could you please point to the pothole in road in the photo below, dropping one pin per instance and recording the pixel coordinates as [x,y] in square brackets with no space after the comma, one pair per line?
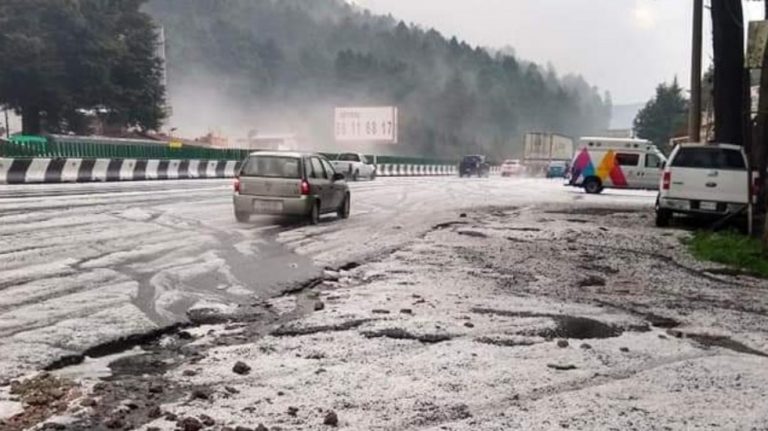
[574,327]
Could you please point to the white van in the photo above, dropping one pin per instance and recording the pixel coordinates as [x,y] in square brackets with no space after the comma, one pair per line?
[703,179]
[602,163]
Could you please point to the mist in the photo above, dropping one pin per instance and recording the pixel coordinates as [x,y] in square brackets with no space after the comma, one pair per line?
[246,67]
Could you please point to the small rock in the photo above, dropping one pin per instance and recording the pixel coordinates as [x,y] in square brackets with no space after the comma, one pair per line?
[132,405]
[231,390]
[320,371]
[585,346]
[190,424]
[261,427]
[207,420]
[377,311]
[153,429]
[171,417]
[241,368]
[463,215]
[154,412]
[189,373]
[155,389]
[184,335]
[88,402]
[624,349]
[292,411]
[280,393]
[469,324]
[331,419]
[406,311]
[201,394]
[662,336]
[319,305]
[114,423]
[98,387]
[562,343]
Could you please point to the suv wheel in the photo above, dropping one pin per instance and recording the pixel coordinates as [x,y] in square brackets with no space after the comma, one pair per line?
[242,217]
[593,186]
[314,215]
[343,211]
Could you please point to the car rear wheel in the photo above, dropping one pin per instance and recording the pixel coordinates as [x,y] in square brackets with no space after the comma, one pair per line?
[314,214]
[242,217]
[593,186]
[343,211]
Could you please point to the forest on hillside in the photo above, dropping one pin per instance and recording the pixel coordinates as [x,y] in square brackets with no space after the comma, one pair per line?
[272,66]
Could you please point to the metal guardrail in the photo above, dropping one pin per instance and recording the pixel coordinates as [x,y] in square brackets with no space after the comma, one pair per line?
[55,146]
[83,147]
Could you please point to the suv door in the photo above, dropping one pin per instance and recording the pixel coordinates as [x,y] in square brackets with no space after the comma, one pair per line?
[320,183]
[629,163]
[338,188]
[651,171]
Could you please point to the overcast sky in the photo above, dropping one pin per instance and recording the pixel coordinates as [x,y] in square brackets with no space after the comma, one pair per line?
[624,46]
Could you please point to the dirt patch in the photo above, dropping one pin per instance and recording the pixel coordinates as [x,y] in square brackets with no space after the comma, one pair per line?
[295,331]
[473,233]
[724,342]
[42,396]
[579,328]
[402,334]
[504,342]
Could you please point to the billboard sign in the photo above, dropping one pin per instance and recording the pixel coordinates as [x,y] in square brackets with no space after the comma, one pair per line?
[366,124]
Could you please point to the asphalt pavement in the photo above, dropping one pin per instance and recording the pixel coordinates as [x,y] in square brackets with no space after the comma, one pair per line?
[86,264]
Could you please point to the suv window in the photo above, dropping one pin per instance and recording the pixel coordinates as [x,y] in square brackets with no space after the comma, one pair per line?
[627,159]
[709,158]
[317,169]
[328,168]
[349,157]
[272,167]
[652,161]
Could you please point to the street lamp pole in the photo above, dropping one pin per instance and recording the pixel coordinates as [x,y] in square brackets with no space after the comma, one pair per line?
[694,114]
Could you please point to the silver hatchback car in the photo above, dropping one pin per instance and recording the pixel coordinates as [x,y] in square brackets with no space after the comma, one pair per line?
[290,184]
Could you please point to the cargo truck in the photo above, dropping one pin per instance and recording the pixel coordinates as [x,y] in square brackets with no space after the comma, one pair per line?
[543,148]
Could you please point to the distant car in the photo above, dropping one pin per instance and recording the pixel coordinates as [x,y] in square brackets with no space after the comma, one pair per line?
[512,167]
[557,170]
[291,184]
[354,166]
[474,165]
[703,180]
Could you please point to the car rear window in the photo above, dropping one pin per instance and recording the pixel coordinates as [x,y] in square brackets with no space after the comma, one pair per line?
[272,167]
[709,158]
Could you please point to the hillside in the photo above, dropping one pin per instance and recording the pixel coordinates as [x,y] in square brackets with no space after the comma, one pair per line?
[271,66]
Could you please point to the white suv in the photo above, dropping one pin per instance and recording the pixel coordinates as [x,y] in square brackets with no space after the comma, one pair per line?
[703,179]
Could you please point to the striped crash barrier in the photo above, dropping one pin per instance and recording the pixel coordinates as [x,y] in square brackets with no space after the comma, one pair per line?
[399,170]
[63,170]
[38,170]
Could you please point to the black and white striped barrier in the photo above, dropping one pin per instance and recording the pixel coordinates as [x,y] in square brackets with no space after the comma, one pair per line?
[395,170]
[21,171]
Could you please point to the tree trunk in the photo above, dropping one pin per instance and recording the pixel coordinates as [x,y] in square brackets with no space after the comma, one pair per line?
[30,120]
[728,41]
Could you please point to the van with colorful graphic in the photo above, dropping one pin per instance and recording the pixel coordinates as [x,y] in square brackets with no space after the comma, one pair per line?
[619,163]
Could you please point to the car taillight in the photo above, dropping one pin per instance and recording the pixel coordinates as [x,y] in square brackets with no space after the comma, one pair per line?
[666,181]
[237,185]
[304,188]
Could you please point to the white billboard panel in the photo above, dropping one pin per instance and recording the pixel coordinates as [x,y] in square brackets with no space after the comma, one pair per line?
[366,124]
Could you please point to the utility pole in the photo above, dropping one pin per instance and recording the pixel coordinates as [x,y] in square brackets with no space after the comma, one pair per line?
[694,114]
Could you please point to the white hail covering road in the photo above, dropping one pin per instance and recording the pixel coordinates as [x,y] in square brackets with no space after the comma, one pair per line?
[85,264]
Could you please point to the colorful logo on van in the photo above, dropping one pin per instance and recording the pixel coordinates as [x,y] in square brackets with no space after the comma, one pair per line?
[607,168]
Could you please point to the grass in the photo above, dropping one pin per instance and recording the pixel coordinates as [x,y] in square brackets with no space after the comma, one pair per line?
[730,248]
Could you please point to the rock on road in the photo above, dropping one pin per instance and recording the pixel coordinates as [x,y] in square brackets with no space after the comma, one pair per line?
[85,264]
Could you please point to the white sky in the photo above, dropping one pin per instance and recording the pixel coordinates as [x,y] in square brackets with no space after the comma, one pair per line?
[624,46]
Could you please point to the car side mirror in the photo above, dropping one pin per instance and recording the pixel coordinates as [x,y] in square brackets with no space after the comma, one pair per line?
[338,176]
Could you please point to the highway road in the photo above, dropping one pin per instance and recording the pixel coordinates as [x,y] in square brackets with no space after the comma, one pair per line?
[85,264]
